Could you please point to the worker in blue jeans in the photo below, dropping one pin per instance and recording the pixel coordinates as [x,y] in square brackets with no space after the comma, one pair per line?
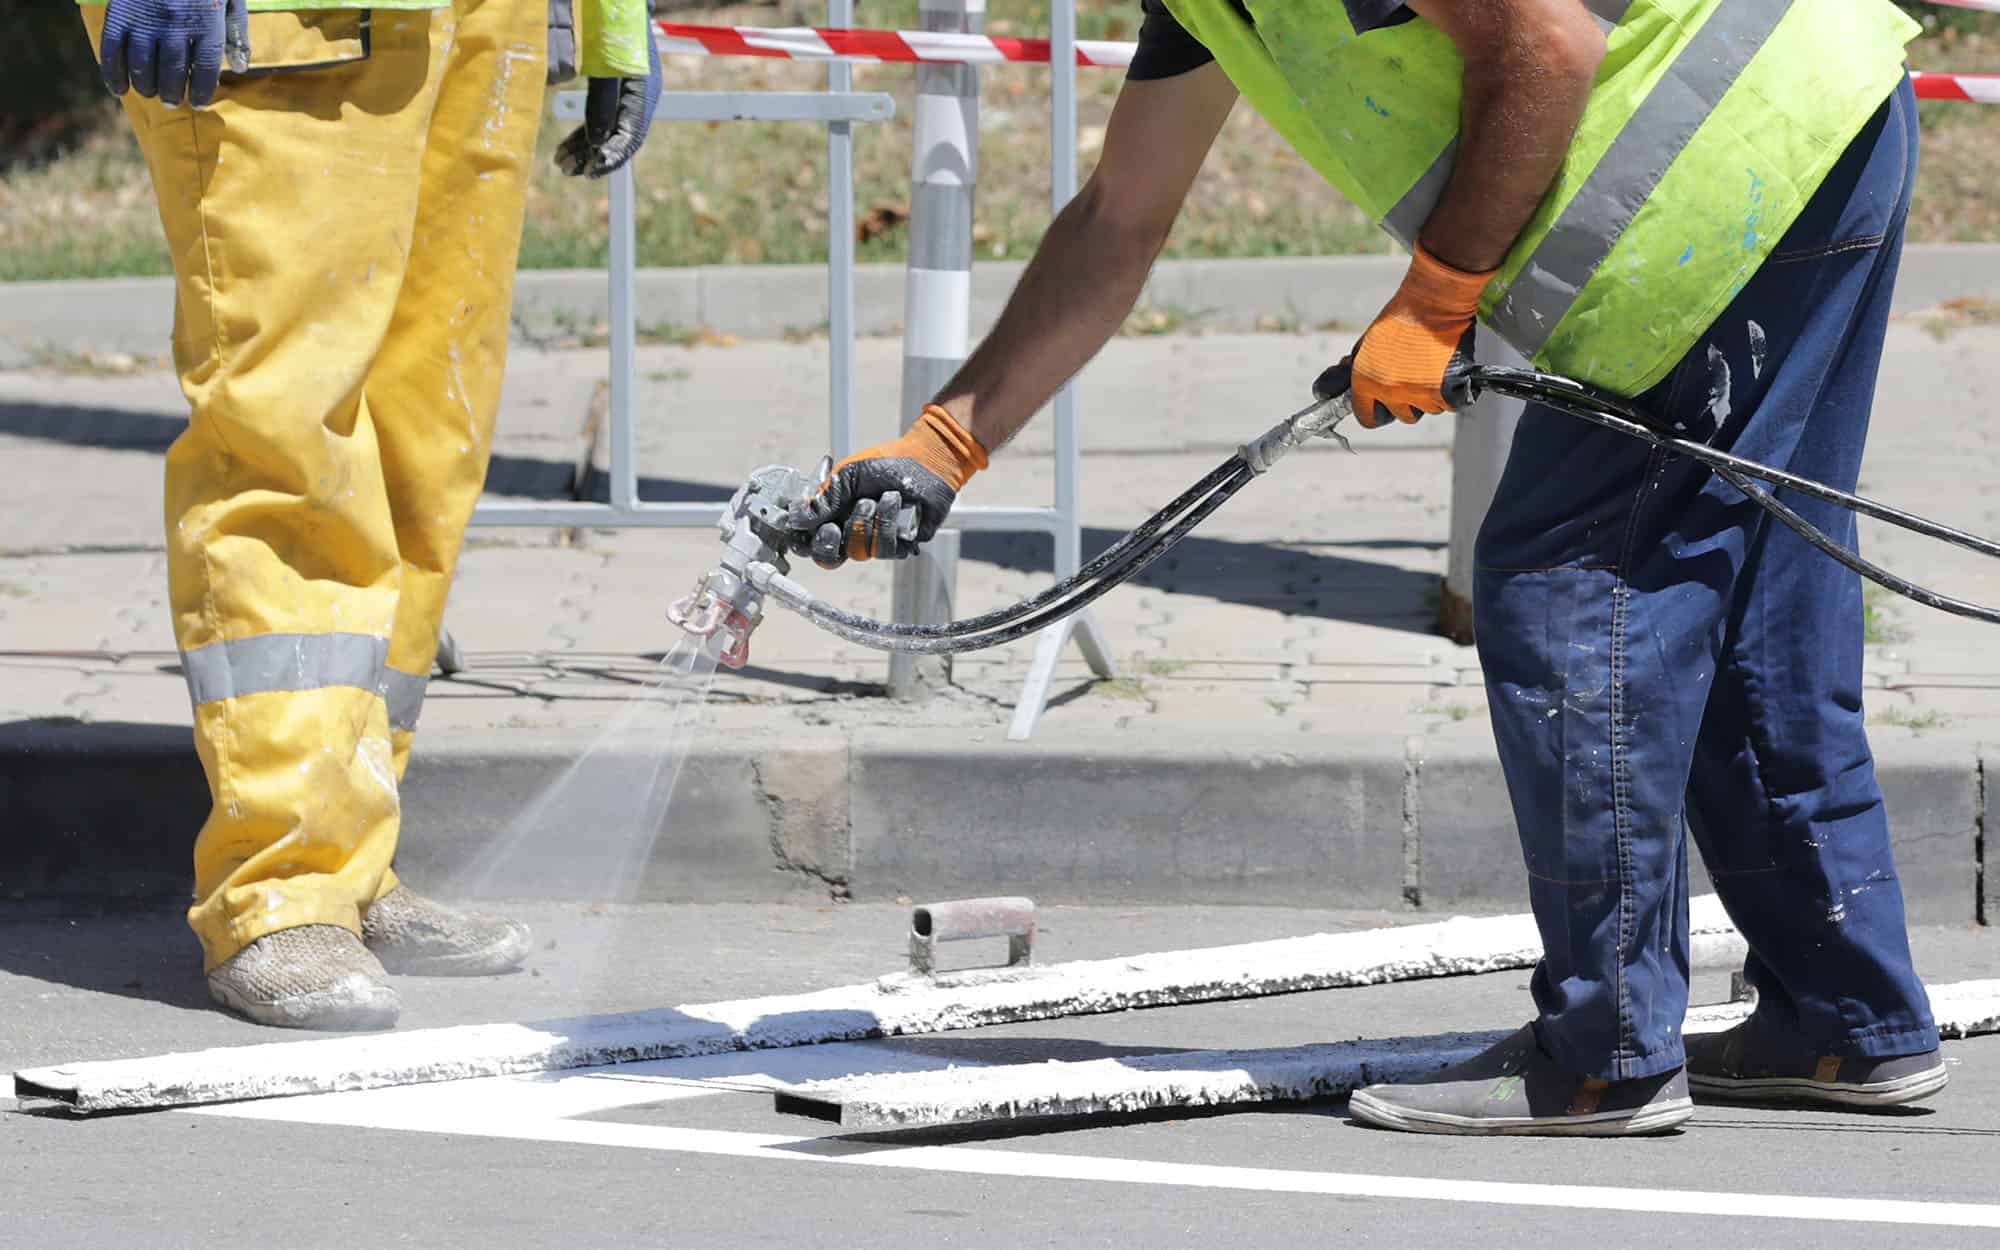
[1695,203]
[1648,633]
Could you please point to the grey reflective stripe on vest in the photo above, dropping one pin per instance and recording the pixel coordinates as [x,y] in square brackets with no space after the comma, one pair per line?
[404,694]
[1631,167]
[268,662]
[1607,12]
[1414,209]
[1407,218]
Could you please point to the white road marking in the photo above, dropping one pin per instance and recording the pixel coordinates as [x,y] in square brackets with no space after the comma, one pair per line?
[535,1108]
[842,1013]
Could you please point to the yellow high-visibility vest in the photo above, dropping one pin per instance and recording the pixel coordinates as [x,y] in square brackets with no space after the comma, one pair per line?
[1709,126]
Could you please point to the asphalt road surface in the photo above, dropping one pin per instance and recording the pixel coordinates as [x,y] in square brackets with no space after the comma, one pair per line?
[691,1153]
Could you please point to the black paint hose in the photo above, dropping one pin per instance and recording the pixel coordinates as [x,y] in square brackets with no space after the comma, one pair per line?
[1160,532]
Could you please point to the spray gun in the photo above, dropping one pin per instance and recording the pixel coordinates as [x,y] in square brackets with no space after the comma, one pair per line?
[757,531]
[758,535]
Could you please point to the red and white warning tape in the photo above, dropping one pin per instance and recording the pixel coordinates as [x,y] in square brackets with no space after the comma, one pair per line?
[805,43]
[1981,88]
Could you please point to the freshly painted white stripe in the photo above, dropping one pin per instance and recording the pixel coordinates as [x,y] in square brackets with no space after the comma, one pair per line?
[493,1120]
[557,1095]
[1128,1084]
[844,1013]
[943,332]
[1966,1008]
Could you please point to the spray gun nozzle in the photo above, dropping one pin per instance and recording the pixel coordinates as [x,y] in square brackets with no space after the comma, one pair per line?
[728,602]
[705,614]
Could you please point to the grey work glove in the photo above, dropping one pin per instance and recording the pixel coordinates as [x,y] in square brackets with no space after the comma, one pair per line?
[562,41]
[173,50]
[617,113]
[886,502]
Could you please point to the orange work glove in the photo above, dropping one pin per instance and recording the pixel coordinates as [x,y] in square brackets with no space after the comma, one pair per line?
[860,512]
[1410,361]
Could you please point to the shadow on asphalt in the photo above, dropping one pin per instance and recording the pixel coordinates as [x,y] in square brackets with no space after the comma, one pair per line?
[138,951]
[1293,579]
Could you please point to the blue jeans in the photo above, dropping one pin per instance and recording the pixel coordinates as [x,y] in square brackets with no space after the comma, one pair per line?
[1663,656]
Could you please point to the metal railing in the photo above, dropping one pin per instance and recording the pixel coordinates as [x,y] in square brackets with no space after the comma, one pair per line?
[838,108]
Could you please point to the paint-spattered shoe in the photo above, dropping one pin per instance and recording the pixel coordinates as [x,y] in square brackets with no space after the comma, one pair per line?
[315,976]
[422,937]
[1759,1061]
[1513,1087]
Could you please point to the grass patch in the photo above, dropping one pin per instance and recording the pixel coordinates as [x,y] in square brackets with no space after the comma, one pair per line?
[1877,627]
[1915,721]
[1954,315]
[1149,320]
[45,358]
[755,193]
[1130,689]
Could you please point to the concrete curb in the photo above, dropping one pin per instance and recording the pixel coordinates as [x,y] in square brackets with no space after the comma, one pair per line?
[97,812]
[135,315]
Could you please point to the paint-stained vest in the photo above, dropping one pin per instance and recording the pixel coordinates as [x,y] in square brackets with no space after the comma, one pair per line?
[1709,126]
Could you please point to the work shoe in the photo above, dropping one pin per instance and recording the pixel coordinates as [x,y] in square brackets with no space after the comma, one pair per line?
[315,976]
[422,937]
[1514,1087]
[1760,1061]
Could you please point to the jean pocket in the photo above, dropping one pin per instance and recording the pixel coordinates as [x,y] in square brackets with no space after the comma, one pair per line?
[1864,196]
[290,43]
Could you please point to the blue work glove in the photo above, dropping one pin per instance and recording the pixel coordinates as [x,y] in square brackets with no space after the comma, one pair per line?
[562,41]
[173,49]
[617,113]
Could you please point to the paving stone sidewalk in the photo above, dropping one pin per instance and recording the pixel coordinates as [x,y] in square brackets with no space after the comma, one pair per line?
[1300,614]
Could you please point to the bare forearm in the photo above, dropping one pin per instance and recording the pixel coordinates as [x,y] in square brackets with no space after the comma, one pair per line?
[1071,299]
[1526,82]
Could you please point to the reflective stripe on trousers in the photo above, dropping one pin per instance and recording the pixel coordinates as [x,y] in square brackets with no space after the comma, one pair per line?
[297,662]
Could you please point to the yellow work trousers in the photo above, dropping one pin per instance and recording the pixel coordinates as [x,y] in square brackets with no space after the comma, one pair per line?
[344,223]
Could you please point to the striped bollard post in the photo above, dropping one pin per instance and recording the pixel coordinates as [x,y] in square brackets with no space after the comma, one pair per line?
[937,308]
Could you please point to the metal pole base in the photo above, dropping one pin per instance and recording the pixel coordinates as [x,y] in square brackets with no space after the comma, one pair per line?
[1042,672]
[1454,619]
[924,592]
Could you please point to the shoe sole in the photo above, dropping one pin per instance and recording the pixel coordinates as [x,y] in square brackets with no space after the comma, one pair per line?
[1802,1089]
[342,1012]
[1652,1118]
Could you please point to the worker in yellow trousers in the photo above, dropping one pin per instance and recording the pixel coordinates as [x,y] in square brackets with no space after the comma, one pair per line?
[342,190]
